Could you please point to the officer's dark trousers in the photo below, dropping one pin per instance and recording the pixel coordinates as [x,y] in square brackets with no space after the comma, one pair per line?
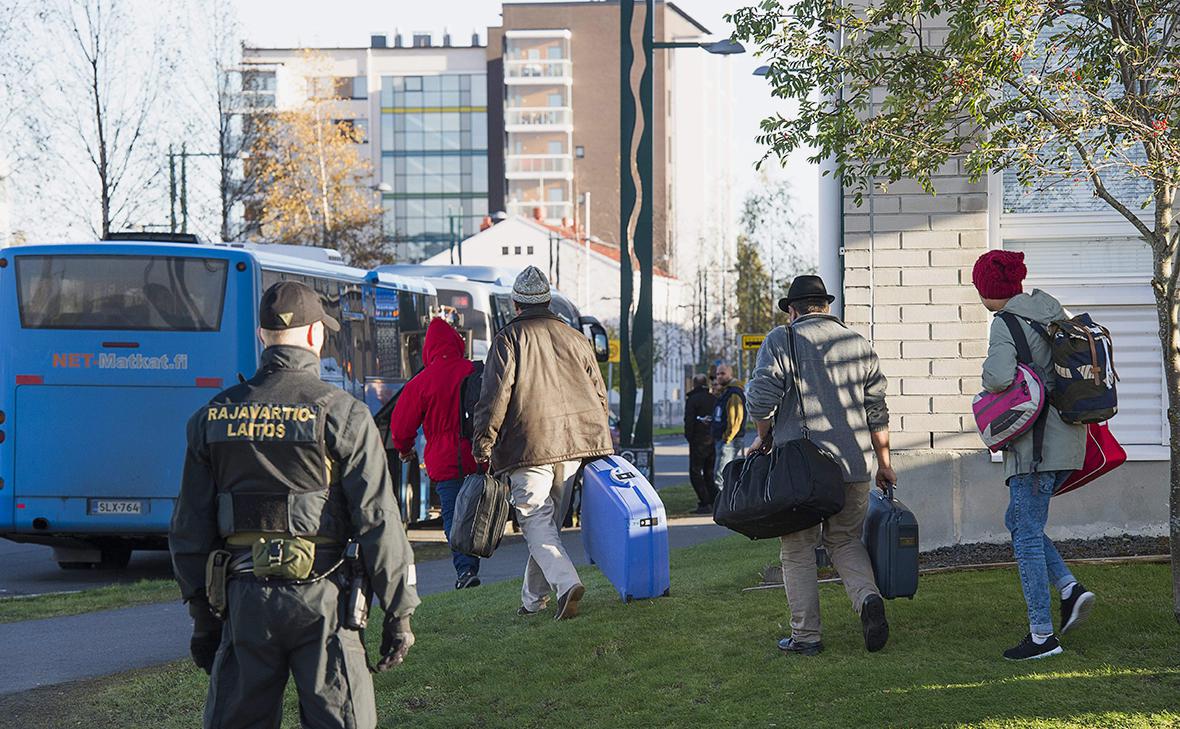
[701,457]
[273,630]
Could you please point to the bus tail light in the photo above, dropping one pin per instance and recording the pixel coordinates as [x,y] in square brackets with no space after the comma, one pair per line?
[209,382]
[29,380]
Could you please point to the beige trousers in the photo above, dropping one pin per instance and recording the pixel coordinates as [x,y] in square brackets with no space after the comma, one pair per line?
[841,537]
[541,500]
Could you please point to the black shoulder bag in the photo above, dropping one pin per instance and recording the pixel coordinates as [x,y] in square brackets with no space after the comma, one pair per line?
[794,487]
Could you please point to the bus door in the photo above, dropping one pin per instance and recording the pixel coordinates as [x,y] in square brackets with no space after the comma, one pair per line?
[106,356]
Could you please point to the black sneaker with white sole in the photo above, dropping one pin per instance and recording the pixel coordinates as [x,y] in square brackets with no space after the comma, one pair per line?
[873,623]
[1076,608]
[1028,650]
[790,645]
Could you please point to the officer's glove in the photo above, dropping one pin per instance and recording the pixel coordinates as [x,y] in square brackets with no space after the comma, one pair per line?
[396,639]
[206,634]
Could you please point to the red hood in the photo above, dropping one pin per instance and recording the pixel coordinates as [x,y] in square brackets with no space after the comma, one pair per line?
[442,341]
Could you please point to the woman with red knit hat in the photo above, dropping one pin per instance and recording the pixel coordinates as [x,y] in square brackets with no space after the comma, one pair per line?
[1032,471]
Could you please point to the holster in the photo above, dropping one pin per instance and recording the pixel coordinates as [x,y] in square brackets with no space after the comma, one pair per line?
[356,607]
[216,571]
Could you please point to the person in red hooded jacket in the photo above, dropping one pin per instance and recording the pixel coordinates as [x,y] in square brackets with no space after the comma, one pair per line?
[430,400]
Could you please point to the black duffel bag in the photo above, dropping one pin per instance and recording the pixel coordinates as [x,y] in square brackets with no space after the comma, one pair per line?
[796,486]
[481,511]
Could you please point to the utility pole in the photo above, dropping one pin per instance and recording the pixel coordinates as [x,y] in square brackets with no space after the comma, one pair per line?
[635,334]
[586,268]
[183,188]
[171,190]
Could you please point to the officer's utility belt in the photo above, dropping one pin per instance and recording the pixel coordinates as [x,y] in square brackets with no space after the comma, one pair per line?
[276,559]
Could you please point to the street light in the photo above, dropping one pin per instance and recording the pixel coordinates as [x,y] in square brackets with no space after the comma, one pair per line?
[636,334]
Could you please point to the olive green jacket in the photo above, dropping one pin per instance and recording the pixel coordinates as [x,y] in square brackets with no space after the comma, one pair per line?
[542,399]
[1065,445]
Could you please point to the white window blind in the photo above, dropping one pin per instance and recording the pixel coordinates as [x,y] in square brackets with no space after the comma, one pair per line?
[1108,278]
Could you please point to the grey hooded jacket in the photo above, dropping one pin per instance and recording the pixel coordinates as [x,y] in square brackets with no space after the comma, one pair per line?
[1065,445]
[843,390]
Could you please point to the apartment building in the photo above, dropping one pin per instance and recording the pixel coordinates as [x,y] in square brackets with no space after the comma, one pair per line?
[559,65]
[419,105]
[529,121]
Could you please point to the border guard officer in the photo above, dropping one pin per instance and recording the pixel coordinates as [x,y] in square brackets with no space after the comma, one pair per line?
[286,520]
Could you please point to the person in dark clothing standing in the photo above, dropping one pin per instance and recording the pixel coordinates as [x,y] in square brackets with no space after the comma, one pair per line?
[284,501]
[698,431]
[430,400]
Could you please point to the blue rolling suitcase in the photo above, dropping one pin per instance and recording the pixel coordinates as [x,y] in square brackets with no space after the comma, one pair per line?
[625,529]
[891,537]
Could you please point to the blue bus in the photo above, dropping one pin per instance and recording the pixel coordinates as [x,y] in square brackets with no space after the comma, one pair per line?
[107,348]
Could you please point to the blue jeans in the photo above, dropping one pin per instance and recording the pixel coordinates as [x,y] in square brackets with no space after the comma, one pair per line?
[726,452]
[448,492]
[1037,559]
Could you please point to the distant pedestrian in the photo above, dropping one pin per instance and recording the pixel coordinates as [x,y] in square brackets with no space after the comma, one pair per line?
[998,277]
[843,393]
[542,411]
[430,400]
[729,421]
[698,431]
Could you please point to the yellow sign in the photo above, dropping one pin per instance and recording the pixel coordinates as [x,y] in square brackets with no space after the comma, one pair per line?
[752,341]
[614,352]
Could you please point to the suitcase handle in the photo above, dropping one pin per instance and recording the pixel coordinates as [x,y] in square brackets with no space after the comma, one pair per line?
[622,475]
[889,492]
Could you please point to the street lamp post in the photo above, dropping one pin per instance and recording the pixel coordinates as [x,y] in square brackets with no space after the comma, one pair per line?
[636,198]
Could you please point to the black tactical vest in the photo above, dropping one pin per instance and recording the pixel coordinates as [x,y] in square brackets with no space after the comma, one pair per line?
[266,440]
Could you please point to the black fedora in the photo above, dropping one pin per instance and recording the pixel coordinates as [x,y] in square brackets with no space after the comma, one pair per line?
[805,287]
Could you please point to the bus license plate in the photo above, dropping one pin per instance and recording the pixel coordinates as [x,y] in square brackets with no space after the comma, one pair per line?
[105,507]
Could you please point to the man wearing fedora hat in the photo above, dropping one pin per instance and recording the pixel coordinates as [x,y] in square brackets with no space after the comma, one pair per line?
[842,392]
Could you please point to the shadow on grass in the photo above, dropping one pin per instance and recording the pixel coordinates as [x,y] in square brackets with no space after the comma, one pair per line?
[706,656]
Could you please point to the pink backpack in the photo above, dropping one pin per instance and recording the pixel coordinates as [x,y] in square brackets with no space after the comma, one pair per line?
[1004,416]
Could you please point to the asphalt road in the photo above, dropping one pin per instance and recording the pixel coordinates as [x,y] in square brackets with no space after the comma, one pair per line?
[29,569]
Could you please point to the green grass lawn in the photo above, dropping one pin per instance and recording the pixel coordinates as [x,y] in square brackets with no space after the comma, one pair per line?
[679,500]
[668,430]
[109,597]
[706,656]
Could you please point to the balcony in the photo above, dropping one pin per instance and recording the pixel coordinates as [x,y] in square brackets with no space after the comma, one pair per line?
[539,119]
[551,212]
[538,72]
[538,166]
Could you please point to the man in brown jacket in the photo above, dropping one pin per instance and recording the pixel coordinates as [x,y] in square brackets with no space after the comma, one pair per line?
[542,410]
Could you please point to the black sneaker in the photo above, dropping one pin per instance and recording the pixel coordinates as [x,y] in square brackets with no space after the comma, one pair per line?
[1028,650]
[790,645]
[567,604]
[704,509]
[873,623]
[1077,607]
[467,579]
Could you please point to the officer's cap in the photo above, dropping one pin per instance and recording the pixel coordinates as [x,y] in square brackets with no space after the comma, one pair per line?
[290,304]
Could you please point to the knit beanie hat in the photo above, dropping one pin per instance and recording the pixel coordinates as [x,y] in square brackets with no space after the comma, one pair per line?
[999,274]
[531,287]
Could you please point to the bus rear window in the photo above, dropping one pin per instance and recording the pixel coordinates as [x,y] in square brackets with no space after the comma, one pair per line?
[156,293]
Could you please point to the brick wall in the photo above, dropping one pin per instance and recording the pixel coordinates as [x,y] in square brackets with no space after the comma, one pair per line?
[908,288]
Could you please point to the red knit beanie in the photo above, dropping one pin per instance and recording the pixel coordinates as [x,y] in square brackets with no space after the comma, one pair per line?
[999,274]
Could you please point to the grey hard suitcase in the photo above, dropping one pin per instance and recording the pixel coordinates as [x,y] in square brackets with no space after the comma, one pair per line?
[891,537]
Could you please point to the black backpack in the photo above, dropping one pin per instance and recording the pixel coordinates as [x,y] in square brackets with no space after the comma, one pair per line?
[469,390]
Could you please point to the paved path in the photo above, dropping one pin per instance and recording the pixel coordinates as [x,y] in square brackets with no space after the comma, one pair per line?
[56,650]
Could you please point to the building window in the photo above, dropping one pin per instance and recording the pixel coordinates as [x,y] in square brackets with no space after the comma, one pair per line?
[360,87]
[518,250]
[530,250]
[579,151]
[504,251]
[421,40]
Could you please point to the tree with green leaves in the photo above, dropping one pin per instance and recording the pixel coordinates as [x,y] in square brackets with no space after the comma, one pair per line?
[1072,91]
